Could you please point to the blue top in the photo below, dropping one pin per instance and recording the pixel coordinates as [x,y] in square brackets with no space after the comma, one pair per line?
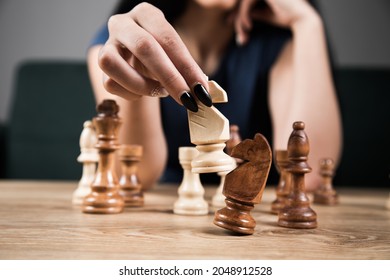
[243,73]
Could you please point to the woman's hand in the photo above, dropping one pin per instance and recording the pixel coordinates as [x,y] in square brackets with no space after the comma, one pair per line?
[145,56]
[284,13]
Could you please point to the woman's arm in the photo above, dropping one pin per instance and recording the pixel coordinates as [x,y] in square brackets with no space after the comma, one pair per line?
[301,89]
[301,86]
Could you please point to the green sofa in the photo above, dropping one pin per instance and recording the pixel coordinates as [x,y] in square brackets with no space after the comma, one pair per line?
[51,100]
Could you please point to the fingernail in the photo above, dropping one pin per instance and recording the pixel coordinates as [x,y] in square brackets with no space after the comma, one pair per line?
[203,95]
[189,102]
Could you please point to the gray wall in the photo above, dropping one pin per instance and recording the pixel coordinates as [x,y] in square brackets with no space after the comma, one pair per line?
[35,29]
[359,31]
[30,29]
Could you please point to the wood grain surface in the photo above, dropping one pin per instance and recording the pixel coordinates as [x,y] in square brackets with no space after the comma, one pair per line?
[38,221]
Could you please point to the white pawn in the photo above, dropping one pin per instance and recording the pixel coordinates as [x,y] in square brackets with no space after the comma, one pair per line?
[88,157]
[218,199]
[191,192]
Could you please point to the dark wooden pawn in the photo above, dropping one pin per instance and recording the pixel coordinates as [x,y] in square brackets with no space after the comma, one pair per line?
[244,185]
[297,212]
[129,183]
[326,194]
[284,186]
[105,198]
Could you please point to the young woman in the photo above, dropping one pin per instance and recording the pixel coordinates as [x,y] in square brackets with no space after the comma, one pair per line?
[270,56]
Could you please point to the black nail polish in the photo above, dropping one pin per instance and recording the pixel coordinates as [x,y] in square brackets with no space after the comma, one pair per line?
[189,102]
[203,95]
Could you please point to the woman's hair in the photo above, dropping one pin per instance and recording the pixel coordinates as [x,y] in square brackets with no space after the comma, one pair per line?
[171,9]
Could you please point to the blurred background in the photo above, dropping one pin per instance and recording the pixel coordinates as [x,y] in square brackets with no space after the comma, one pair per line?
[358,31]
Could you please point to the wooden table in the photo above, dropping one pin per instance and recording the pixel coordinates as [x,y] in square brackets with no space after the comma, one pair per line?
[38,221]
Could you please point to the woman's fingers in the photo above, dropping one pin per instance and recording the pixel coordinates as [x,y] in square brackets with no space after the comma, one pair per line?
[243,21]
[125,33]
[125,76]
[154,22]
[156,49]
[113,87]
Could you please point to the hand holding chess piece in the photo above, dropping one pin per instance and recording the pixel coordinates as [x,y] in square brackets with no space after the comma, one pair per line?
[244,185]
[209,130]
[88,157]
[191,192]
[325,194]
[130,187]
[104,197]
[297,212]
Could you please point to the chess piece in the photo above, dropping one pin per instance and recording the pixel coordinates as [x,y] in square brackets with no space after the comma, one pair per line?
[218,199]
[104,197]
[244,185]
[325,194]
[284,185]
[191,191]
[88,157]
[209,130]
[130,187]
[297,212]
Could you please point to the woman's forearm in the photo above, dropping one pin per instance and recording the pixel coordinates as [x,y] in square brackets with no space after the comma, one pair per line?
[313,82]
[314,98]
[301,89]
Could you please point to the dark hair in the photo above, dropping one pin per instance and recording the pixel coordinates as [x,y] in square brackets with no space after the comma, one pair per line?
[171,9]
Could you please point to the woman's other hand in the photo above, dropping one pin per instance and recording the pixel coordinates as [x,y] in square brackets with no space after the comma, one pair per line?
[283,13]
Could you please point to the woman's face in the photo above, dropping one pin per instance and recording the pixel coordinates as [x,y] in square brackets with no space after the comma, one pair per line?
[221,4]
